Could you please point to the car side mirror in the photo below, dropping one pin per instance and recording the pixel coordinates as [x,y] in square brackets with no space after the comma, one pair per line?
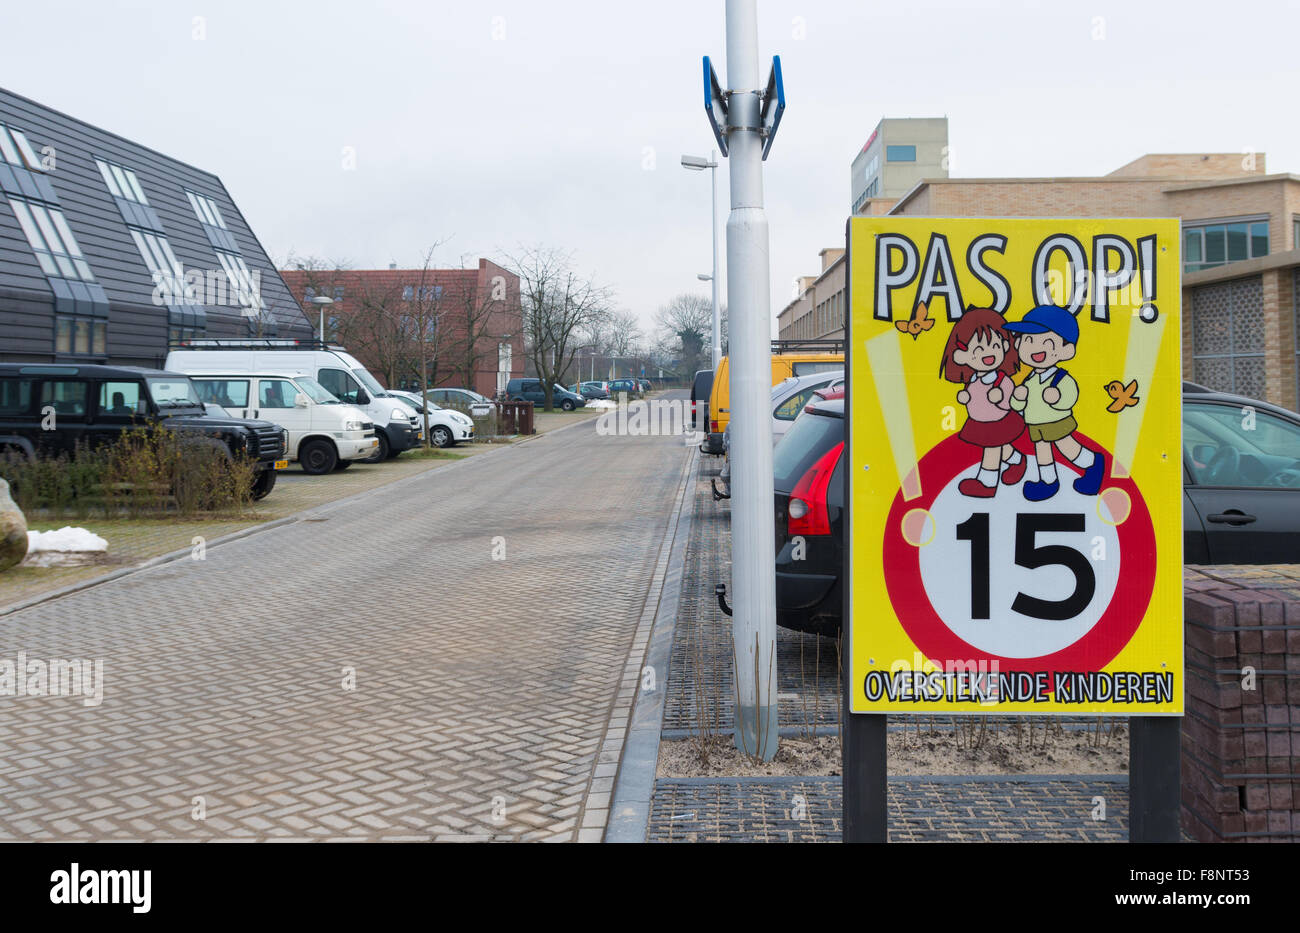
[362,398]
[142,407]
[301,401]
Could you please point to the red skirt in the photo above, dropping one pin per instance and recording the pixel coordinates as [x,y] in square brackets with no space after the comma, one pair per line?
[993,433]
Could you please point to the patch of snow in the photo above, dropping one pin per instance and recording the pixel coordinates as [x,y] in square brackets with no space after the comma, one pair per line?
[66,540]
[602,403]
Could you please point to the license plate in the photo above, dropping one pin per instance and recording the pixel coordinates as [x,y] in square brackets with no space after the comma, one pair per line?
[282,464]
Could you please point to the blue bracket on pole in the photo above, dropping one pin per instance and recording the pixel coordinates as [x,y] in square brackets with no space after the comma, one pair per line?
[773,105]
[715,105]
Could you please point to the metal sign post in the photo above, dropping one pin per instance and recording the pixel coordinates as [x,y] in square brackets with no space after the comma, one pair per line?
[743,123]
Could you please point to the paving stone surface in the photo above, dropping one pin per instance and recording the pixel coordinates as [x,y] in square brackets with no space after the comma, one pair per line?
[701,689]
[920,810]
[483,688]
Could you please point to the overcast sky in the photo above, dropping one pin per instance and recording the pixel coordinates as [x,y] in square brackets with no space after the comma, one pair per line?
[494,124]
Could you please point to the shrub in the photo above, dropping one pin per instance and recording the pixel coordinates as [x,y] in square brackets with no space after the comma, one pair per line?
[144,472]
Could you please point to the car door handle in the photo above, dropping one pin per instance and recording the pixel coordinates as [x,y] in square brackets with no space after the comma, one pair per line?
[1231,517]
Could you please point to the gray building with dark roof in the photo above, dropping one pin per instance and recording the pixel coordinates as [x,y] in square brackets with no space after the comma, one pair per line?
[109,250]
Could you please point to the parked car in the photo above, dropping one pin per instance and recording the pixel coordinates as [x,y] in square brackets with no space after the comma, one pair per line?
[447,427]
[93,405]
[645,385]
[701,387]
[1241,496]
[1241,480]
[396,426]
[592,390]
[479,406]
[783,366]
[808,500]
[630,387]
[530,390]
[324,434]
[789,398]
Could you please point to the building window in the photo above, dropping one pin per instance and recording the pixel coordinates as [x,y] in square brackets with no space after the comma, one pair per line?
[121,182]
[207,209]
[1208,245]
[246,286]
[164,268]
[80,336]
[408,292]
[338,292]
[1228,336]
[16,150]
[900,153]
[55,247]
[1295,234]
[308,294]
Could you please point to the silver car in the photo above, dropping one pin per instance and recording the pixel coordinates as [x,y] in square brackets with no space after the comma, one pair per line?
[789,397]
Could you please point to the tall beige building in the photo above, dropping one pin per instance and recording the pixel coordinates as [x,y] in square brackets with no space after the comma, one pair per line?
[897,155]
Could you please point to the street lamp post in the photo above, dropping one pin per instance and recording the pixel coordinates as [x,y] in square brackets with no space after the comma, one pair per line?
[698,164]
[321,302]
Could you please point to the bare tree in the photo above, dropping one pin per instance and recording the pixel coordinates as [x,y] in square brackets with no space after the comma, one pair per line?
[687,322]
[623,333]
[320,277]
[474,309]
[559,305]
[423,321]
[374,330]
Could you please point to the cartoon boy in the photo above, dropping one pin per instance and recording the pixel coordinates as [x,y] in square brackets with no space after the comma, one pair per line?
[1046,337]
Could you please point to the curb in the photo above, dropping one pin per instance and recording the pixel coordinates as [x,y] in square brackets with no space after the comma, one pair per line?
[263,526]
[630,810]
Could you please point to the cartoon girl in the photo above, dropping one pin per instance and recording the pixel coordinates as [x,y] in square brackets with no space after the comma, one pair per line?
[981,356]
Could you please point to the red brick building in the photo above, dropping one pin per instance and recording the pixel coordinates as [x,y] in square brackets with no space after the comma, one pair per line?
[471,320]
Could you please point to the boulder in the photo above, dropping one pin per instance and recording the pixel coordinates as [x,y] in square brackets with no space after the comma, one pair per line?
[13,530]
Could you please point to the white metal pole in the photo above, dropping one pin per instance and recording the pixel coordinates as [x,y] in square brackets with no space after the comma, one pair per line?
[717,308]
[753,541]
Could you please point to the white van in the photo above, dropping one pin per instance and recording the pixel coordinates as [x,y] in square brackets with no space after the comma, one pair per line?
[324,434]
[397,428]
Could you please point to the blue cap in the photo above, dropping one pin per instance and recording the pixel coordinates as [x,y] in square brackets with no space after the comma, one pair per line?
[1046,318]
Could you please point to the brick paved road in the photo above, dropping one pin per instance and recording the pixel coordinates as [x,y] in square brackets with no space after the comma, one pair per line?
[483,688]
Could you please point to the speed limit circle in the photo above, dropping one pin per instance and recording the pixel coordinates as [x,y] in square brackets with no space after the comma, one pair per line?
[1032,586]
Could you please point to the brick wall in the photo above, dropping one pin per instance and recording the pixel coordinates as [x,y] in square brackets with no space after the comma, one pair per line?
[1241,740]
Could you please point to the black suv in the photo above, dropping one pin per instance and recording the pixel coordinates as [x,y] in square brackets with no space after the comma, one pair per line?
[52,409]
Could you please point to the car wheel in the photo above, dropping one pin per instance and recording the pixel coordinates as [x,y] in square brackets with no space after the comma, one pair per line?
[381,452]
[393,454]
[263,485]
[567,404]
[318,457]
[342,465]
[440,436]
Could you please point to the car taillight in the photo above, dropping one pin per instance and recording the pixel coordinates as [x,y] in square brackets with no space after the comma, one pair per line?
[692,409]
[715,426]
[808,512]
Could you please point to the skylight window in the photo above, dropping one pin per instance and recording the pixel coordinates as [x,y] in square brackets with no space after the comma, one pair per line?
[17,150]
[121,182]
[50,238]
[207,210]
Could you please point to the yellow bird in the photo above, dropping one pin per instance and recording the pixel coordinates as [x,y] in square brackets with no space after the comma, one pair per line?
[1123,395]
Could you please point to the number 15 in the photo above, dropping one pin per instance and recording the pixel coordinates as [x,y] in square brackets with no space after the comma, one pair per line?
[1028,554]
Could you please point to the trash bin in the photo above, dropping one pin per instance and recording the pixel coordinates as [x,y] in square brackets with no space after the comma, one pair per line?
[515,417]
